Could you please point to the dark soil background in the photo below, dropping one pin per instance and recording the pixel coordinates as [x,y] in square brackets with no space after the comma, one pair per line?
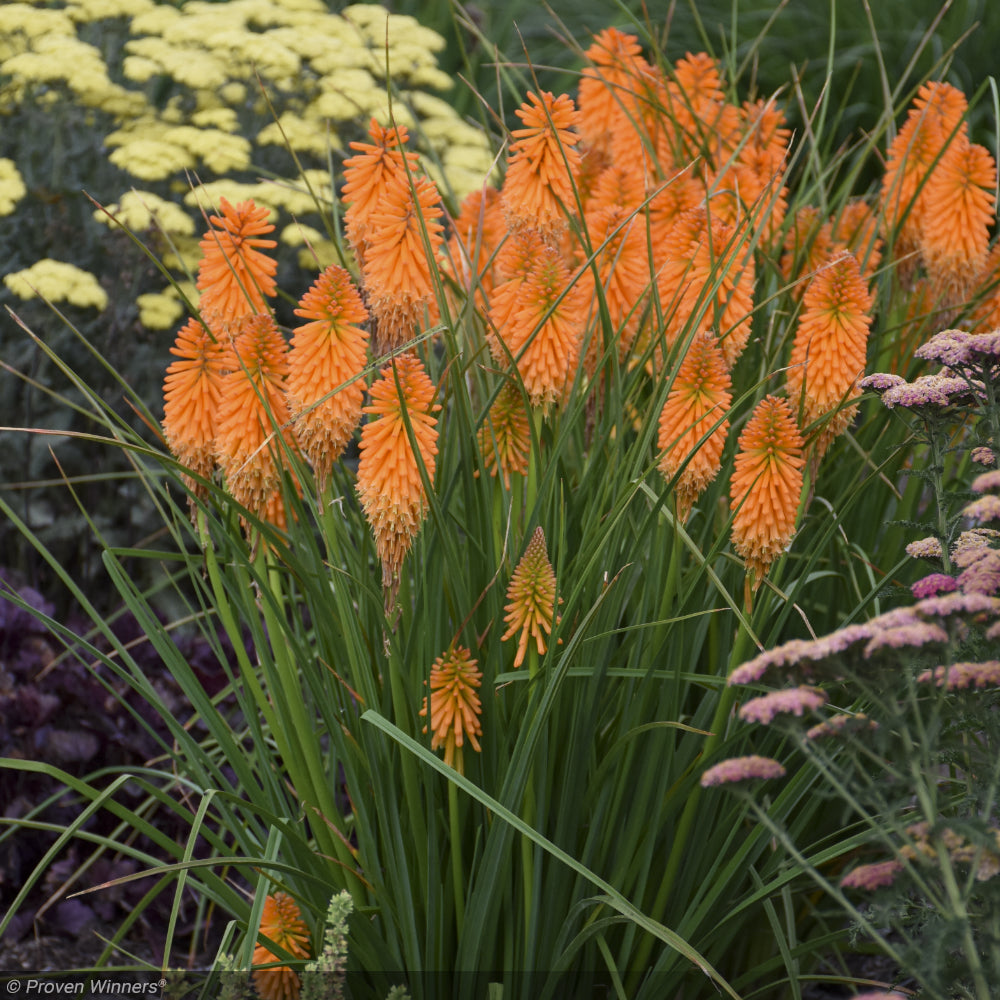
[59,706]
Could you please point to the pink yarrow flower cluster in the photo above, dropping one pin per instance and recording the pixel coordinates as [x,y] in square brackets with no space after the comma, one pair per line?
[736,769]
[791,701]
[873,876]
[960,676]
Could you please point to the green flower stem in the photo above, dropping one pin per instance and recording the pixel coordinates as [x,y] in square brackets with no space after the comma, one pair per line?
[940,497]
[680,846]
[222,605]
[971,952]
[527,849]
[411,780]
[294,732]
[534,461]
[457,868]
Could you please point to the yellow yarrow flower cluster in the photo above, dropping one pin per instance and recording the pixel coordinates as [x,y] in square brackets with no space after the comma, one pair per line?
[56,281]
[143,210]
[162,310]
[12,188]
[85,11]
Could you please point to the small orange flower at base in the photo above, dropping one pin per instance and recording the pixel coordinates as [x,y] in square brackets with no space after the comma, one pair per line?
[234,277]
[531,599]
[766,485]
[454,705]
[389,483]
[282,923]
[192,391]
[695,407]
[327,353]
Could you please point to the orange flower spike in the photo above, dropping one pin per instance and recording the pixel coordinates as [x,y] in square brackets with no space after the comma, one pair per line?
[702,252]
[828,354]
[234,276]
[282,923]
[986,312]
[693,99]
[505,438]
[808,243]
[531,599]
[368,175]
[766,485]
[192,392]
[959,210]
[389,483]
[455,706]
[396,270]
[610,92]
[935,116]
[619,240]
[253,403]
[479,229]
[697,402]
[542,165]
[327,352]
[545,333]
[856,229]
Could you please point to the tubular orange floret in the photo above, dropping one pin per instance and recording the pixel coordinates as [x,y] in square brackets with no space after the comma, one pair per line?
[282,923]
[368,175]
[389,483]
[454,705]
[959,209]
[397,272]
[544,332]
[828,354]
[766,485]
[505,438]
[326,353]
[192,392]
[531,599]
[542,165]
[253,405]
[234,277]
[695,407]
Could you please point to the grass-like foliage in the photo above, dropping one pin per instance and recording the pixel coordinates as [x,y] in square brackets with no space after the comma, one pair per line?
[502,499]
